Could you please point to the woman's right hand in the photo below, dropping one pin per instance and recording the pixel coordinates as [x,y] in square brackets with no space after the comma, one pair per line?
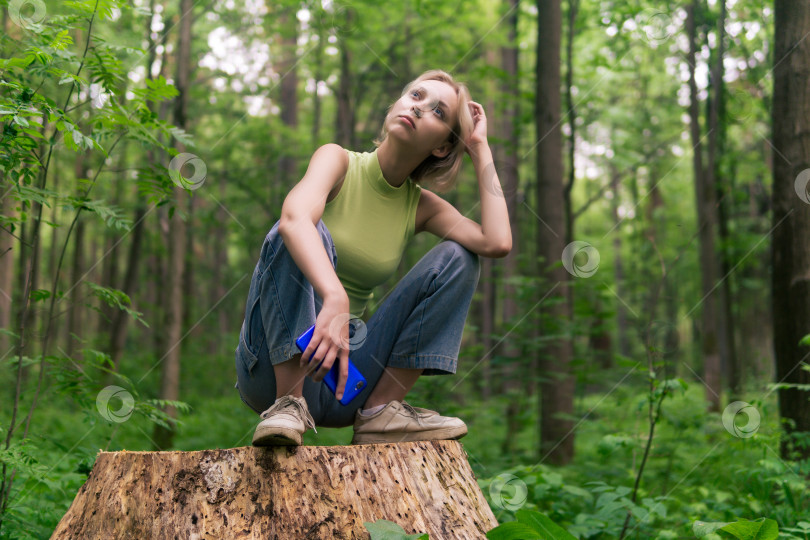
[330,341]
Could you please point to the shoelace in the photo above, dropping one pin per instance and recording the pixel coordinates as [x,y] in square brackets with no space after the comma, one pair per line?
[308,420]
[408,407]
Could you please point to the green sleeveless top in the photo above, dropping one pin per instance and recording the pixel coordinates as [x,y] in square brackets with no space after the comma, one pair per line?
[371,223]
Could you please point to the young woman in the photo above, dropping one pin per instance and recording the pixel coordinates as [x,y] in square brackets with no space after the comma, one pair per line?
[342,232]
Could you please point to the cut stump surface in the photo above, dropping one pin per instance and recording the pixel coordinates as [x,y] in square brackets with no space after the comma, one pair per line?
[280,493]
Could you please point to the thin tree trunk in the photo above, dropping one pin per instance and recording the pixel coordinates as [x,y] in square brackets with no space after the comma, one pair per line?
[319,76]
[487,318]
[717,148]
[289,97]
[220,259]
[618,266]
[75,315]
[7,253]
[572,124]
[791,213]
[118,333]
[557,388]
[345,111]
[170,375]
[514,384]
[705,203]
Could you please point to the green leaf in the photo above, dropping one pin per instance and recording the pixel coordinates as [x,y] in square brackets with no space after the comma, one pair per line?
[40,294]
[117,299]
[513,530]
[388,530]
[543,525]
[805,341]
[703,528]
[761,529]
[8,63]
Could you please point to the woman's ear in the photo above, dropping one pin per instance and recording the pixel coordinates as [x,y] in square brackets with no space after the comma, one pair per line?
[443,150]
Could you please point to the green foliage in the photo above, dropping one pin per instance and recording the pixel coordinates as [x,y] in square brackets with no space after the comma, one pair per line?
[761,529]
[530,525]
[388,530]
[117,299]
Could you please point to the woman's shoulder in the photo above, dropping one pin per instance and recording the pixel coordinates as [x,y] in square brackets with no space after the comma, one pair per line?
[333,151]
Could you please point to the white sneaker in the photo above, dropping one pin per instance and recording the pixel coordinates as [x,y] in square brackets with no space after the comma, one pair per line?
[398,421]
[284,423]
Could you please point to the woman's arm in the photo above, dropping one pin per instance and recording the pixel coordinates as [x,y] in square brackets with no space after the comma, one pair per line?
[303,208]
[301,211]
[493,237]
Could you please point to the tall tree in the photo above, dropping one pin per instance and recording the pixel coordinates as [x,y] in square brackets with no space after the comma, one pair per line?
[170,374]
[790,118]
[717,147]
[705,204]
[6,266]
[118,333]
[508,131]
[557,387]
[287,69]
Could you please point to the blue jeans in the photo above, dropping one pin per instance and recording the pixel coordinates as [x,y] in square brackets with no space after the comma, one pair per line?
[418,325]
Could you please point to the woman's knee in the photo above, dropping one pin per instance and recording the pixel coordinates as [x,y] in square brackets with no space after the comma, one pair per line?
[467,262]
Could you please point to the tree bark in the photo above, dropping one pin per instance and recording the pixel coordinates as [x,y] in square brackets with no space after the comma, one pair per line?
[705,203]
[6,266]
[170,373]
[287,165]
[618,266]
[716,139]
[345,112]
[557,387]
[281,492]
[791,212]
[514,384]
[118,332]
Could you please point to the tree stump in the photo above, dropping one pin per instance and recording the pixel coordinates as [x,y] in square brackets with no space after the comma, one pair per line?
[282,493]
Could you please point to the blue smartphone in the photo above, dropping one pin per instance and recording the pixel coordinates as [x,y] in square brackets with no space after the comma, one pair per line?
[354,384]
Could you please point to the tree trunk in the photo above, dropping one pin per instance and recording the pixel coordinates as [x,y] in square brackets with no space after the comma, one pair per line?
[295,492]
[118,333]
[725,326]
[618,267]
[287,165]
[722,182]
[220,260]
[514,384]
[6,266]
[487,318]
[791,212]
[345,113]
[170,374]
[557,387]
[75,311]
[705,203]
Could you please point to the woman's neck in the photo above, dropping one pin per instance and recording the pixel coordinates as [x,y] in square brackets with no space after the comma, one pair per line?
[396,163]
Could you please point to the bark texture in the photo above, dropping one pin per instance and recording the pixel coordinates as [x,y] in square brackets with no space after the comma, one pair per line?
[706,204]
[791,212]
[280,493]
[557,387]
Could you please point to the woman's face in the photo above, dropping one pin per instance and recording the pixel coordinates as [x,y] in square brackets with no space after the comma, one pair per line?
[424,116]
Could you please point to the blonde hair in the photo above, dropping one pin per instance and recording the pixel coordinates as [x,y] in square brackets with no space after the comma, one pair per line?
[442,172]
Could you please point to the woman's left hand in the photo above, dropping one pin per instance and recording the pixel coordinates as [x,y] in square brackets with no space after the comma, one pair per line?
[479,132]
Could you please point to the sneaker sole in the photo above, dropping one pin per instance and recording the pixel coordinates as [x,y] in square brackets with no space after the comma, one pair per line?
[437,435]
[277,437]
